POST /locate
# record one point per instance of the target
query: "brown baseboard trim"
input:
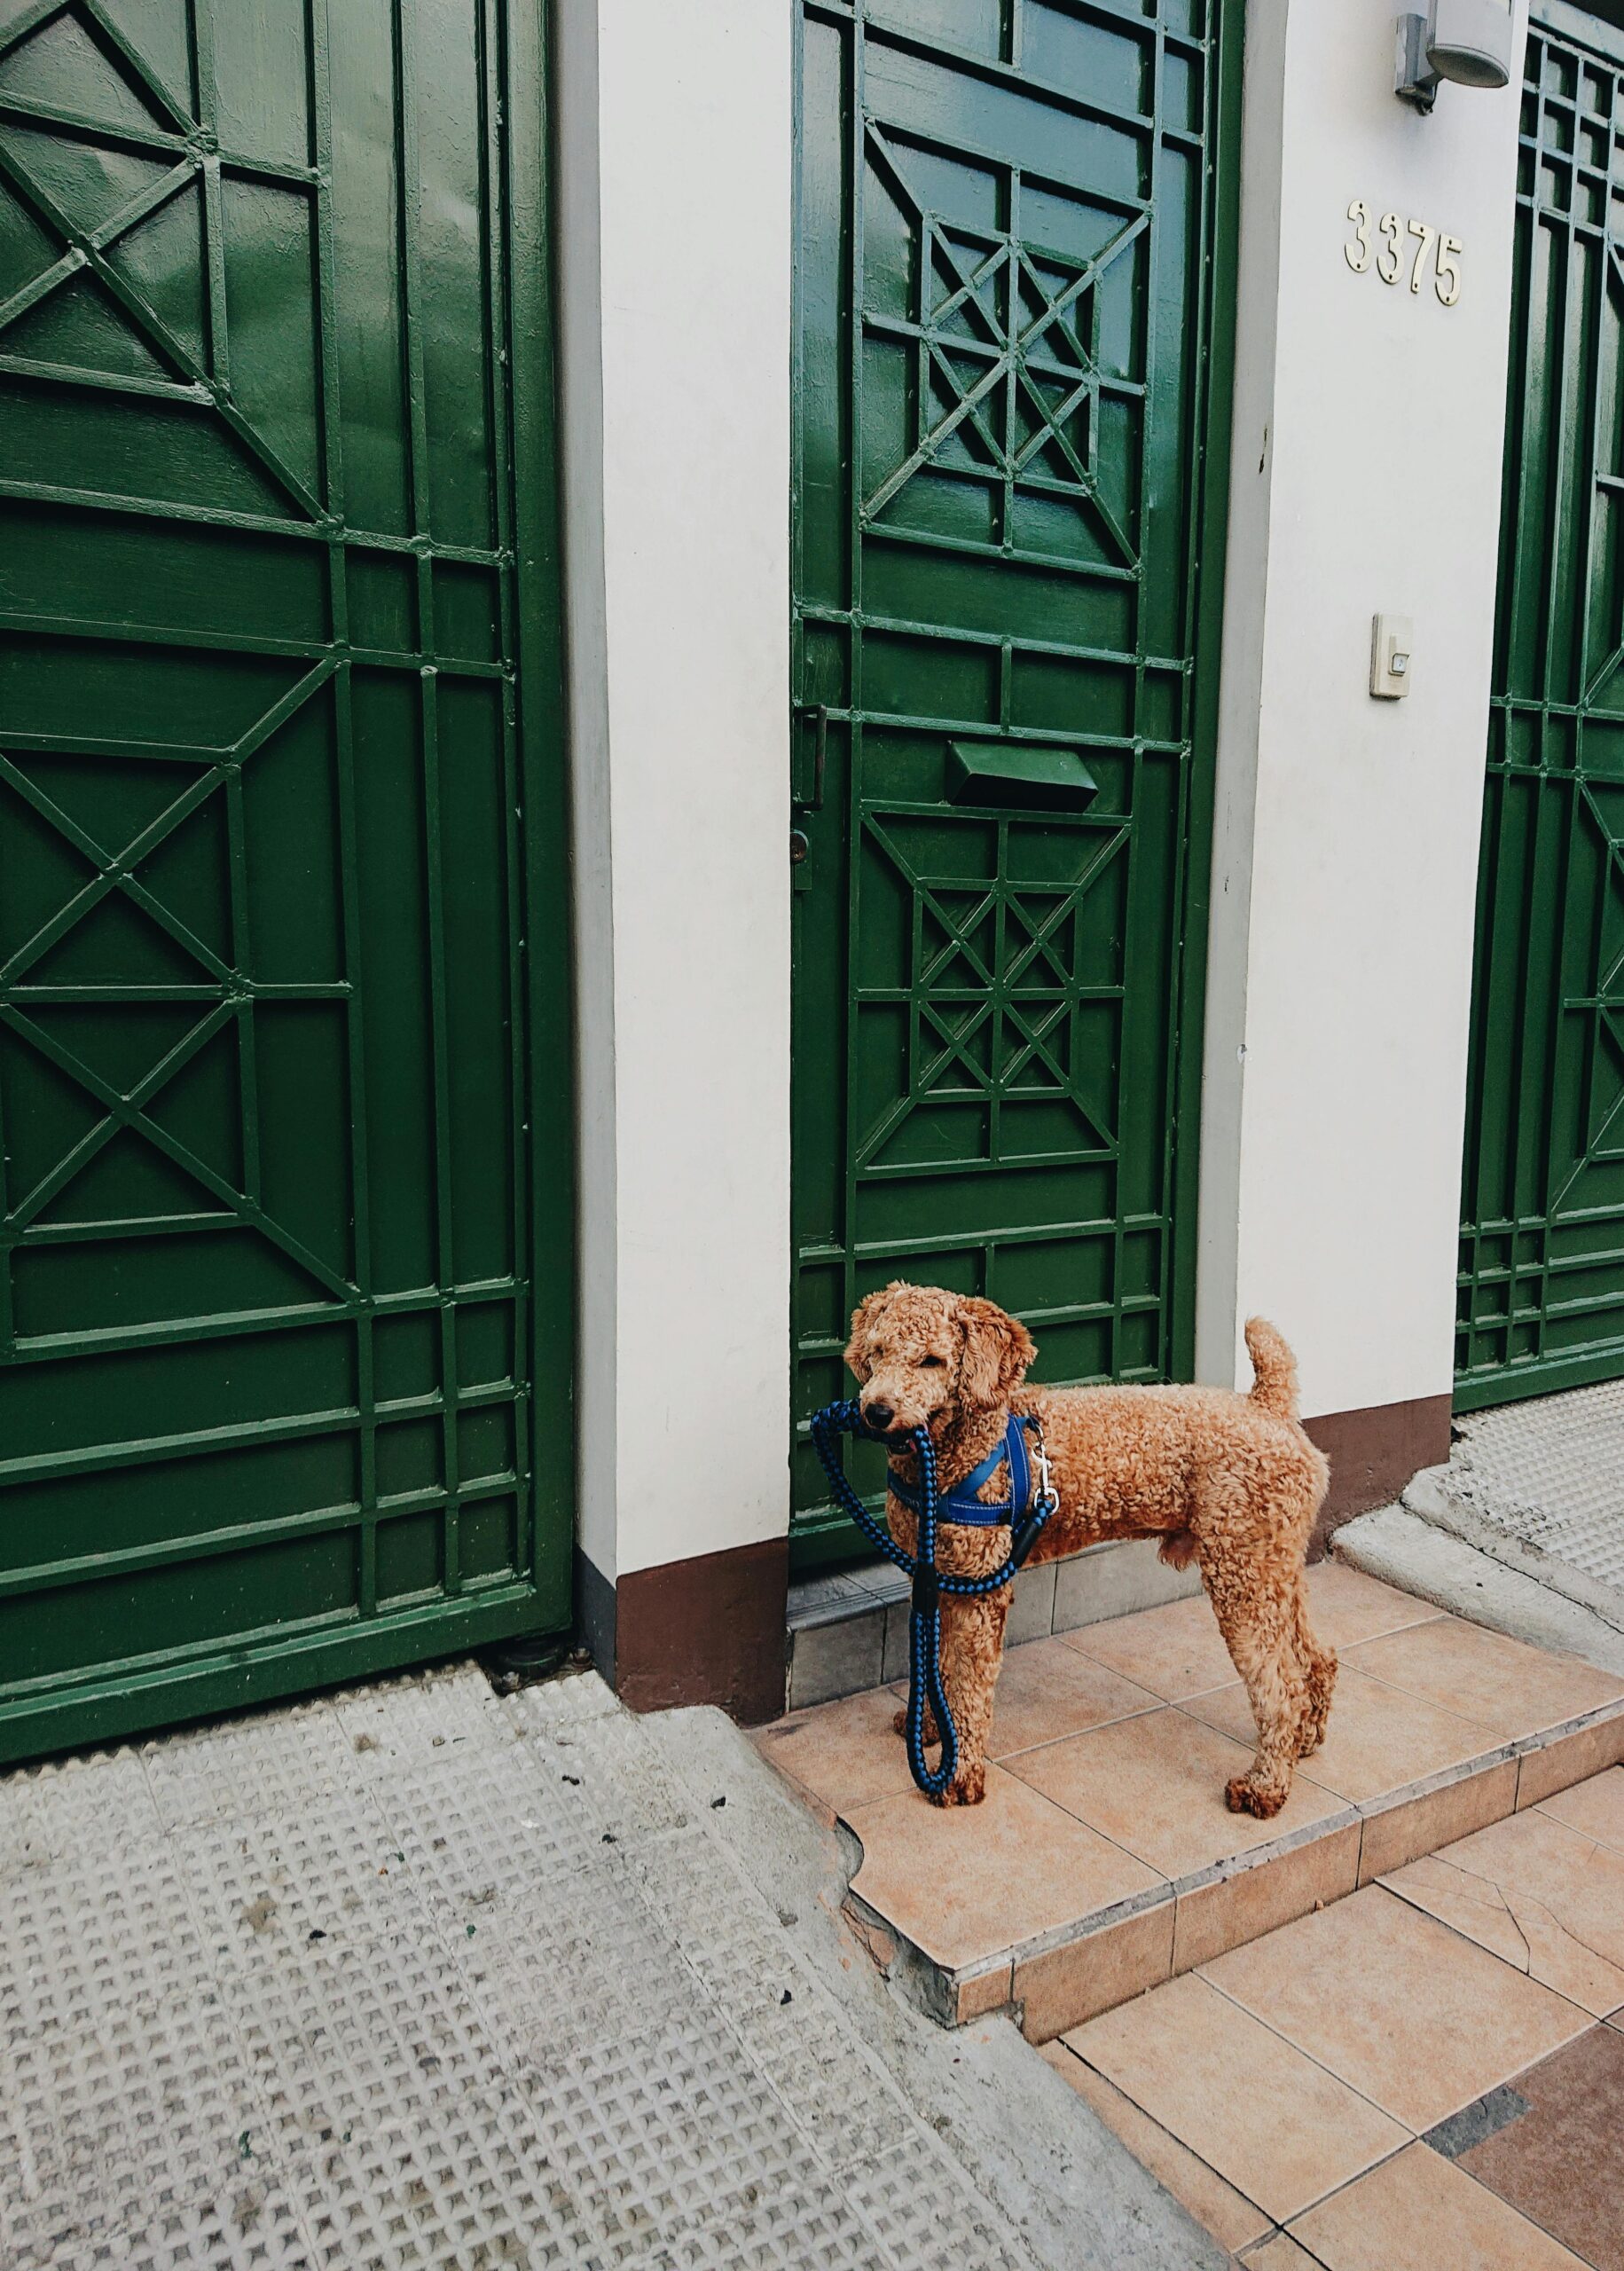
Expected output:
(709, 1630)
(1373, 1454)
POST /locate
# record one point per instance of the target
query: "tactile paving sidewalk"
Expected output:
(411, 1976)
(1547, 1476)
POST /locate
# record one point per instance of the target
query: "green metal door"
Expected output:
(1011, 368)
(280, 842)
(1542, 1276)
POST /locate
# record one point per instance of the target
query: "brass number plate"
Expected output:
(1386, 245)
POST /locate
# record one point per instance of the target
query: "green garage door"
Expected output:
(1541, 1279)
(1012, 403)
(279, 848)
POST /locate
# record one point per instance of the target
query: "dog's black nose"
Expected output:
(879, 1416)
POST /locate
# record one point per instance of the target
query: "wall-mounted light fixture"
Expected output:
(1467, 40)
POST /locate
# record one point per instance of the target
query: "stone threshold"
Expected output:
(849, 1631)
(1061, 1977)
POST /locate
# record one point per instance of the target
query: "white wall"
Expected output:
(677, 431)
(1366, 476)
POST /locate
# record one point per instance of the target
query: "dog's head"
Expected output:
(926, 1357)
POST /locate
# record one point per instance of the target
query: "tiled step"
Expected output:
(850, 1631)
(1103, 1859)
(1433, 2070)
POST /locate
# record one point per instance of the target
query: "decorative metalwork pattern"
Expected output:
(995, 988)
(1012, 290)
(1542, 1273)
(266, 1240)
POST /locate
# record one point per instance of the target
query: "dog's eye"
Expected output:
(932, 1360)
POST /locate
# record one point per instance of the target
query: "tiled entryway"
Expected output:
(1103, 1859)
(1428, 2076)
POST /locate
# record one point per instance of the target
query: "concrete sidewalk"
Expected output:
(1522, 1531)
(1540, 1486)
(410, 1976)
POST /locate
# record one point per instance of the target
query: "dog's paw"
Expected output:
(968, 1787)
(899, 1725)
(1241, 1796)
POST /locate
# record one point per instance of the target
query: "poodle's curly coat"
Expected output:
(1227, 1480)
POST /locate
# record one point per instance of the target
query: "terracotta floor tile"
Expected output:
(1595, 1807)
(1414, 2016)
(1227, 1911)
(1421, 2212)
(845, 1753)
(1174, 1651)
(1046, 1690)
(1499, 1682)
(1397, 1833)
(1178, 1651)
(1095, 1972)
(1156, 1785)
(1233, 2220)
(1570, 1754)
(1281, 2253)
(963, 1882)
(1273, 2125)
(1378, 1738)
(1347, 1607)
(1545, 1898)
(1562, 2161)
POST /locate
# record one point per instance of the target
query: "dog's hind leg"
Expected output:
(1318, 1663)
(1256, 1610)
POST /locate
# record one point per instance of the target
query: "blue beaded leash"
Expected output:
(929, 1582)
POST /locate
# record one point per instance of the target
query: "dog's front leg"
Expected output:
(972, 1650)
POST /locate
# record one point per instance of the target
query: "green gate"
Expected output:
(280, 848)
(1014, 235)
(1542, 1276)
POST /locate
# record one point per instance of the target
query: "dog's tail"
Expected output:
(1275, 1367)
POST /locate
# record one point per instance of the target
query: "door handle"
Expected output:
(818, 712)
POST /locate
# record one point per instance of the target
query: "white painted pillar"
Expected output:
(1366, 477)
(675, 254)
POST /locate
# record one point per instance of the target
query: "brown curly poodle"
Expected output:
(1228, 1481)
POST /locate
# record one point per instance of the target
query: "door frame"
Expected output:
(1214, 417)
(544, 757)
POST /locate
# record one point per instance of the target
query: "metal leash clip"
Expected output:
(1045, 1498)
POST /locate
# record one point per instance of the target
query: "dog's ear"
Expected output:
(855, 1356)
(997, 1350)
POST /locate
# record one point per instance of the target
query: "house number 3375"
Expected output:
(1399, 250)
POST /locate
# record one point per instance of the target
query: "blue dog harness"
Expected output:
(1025, 1510)
(964, 1503)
